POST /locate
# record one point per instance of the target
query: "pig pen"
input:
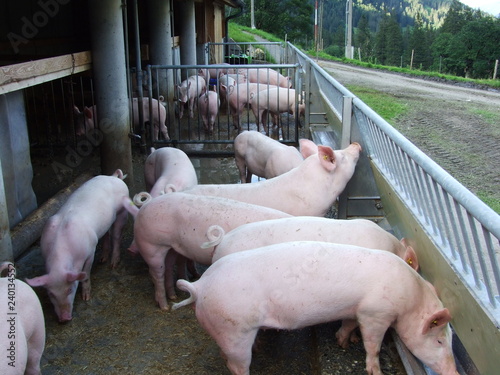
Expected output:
(122, 331)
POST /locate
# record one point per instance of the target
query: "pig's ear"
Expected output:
(410, 255)
(307, 147)
(326, 157)
(88, 112)
(75, 276)
(437, 320)
(38, 281)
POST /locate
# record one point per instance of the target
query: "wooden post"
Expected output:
(411, 61)
(495, 70)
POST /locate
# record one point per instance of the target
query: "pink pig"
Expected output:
(70, 237)
(208, 108)
(180, 221)
(274, 101)
(359, 232)
(263, 156)
(168, 169)
(267, 76)
(298, 284)
(308, 190)
(23, 334)
(240, 96)
(85, 120)
(189, 90)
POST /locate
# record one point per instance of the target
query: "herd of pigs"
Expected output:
(275, 261)
(264, 90)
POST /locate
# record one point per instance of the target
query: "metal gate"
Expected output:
(185, 121)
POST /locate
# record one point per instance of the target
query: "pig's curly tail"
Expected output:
(140, 199)
(215, 233)
(187, 287)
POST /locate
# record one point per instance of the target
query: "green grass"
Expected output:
(386, 105)
(490, 201)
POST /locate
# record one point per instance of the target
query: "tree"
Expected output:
(389, 41)
(363, 38)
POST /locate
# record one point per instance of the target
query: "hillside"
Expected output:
(432, 13)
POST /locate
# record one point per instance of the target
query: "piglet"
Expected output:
(208, 108)
(179, 221)
(86, 120)
(22, 325)
(293, 285)
(69, 239)
(359, 232)
(307, 190)
(267, 76)
(168, 170)
(275, 101)
(265, 157)
(189, 90)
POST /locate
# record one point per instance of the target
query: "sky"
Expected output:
(490, 6)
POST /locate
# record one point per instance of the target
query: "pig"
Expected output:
(274, 101)
(189, 90)
(297, 284)
(307, 190)
(168, 169)
(359, 232)
(23, 334)
(265, 157)
(267, 76)
(69, 239)
(85, 121)
(228, 79)
(215, 72)
(239, 96)
(180, 221)
(208, 108)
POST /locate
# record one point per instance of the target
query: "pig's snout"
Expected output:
(65, 317)
(356, 147)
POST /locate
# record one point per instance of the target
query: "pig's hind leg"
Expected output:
(116, 232)
(237, 351)
(155, 257)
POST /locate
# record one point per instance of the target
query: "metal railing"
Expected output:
(464, 230)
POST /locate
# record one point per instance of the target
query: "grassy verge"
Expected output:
(384, 104)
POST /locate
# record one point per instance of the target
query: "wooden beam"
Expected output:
(19, 76)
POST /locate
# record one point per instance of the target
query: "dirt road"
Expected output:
(458, 127)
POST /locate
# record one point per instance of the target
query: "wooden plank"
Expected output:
(19, 76)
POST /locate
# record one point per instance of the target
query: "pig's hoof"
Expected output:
(355, 338)
(165, 308)
(173, 297)
(86, 296)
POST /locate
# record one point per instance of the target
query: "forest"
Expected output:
(444, 36)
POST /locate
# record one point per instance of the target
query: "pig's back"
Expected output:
(95, 202)
(359, 232)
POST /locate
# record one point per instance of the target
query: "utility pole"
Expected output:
(348, 37)
(316, 26)
(252, 14)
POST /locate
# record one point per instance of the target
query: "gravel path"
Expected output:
(458, 127)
